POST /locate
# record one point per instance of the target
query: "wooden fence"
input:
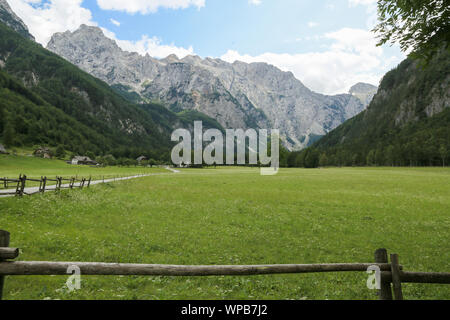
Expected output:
(390, 273)
(20, 184)
(47, 184)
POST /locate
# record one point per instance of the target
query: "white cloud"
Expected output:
(153, 46)
(147, 6)
(312, 24)
(354, 40)
(45, 18)
(114, 22)
(352, 57)
(255, 2)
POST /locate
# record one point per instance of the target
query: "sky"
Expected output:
(326, 44)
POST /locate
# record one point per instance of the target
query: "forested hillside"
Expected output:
(48, 101)
(407, 123)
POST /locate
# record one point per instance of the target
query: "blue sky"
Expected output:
(252, 29)
(327, 44)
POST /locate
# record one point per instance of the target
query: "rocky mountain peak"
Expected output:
(237, 95)
(87, 37)
(8, 17)
(364, 92)
(172, 58)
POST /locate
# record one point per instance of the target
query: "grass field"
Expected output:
(12, 166)
(236, 216)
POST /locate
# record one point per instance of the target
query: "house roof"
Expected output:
(81, 158)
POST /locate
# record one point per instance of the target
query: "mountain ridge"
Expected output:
(8, 17)
(45, 99)
(237, 95)
(406, 124)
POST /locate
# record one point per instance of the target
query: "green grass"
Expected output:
(236, 216)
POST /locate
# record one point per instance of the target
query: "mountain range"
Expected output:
(128, 104)
(45, 100)
(237, 95)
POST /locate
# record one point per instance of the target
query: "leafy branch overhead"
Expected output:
(419, 26)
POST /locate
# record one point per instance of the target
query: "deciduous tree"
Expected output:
(421, 26)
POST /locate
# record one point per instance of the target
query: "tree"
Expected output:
(60, 152)
(355, 160)
(2, 118)
(418, 25)
(300, 160)
(9, 134)
(371, 158)
(443, 153)
(390, 155)
(323, 160)
(90, 154)
(312, 159)
(107, 160)
(379, 158)
(152, 162)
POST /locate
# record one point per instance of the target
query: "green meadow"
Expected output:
(11, 166)
(232, 216)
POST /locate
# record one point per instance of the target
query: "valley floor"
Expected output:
(235, 216)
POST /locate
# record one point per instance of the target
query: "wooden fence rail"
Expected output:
(390, 273)
(20, 184)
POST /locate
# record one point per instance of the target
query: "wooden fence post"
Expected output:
(89, 182)
(385, 292)
(58, 183)
(396, 282)
(44, 184)
(22, 185)
(18, 185)
(4, 242)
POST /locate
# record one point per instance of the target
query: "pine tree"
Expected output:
(2, 118)
(443, 153)
(9, 134)
(60, 152)
(323, 161)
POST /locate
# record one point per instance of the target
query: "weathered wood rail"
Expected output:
(20, 184)
(390, 273)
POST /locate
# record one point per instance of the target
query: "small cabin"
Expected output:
(141, 158)
(43, 152)
(82, 160)
(3, 150)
